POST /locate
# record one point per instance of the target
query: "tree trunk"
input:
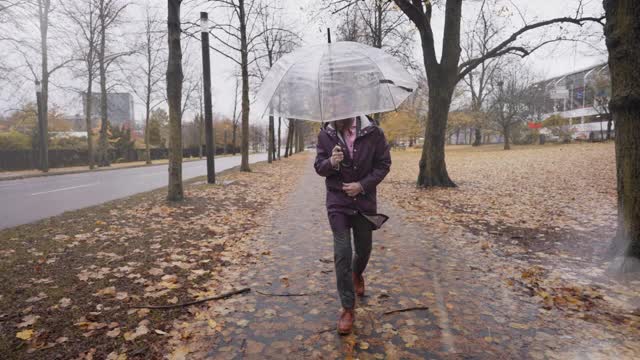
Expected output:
(270, 142)
(234, 139)
(147, 147)
(293, 147)
(609, 123)
(103, 143)
(273, 141)
(147, 134)
(87, 120)
(507, 133)
(244, 164)
(290, 136)
(478, 139)
(200, 133)
(287, 150)
(279, 140)
(44, 8)
(174, 98)
(300, 139)
(458, 136)
(432, 167)
(622, 32)
(286, 143)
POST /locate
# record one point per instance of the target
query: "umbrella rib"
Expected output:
(276, 90)
(319, 89)
(395, 107)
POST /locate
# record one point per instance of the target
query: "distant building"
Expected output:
(119, 108)
(76, 121)
(68, 134)
(581, 96)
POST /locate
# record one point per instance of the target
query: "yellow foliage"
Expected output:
(555, 120)
(401, 126)
(460, 120)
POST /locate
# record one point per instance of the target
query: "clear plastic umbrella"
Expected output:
(333, 81)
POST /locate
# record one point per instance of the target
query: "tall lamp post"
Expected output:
(208, 121)
(43, 151)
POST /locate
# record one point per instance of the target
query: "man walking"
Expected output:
(353, 155)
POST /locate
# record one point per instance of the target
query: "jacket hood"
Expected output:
(364, 123)
(366, 126)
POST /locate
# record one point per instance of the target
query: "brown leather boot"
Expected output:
(345, 323)
(358, 284)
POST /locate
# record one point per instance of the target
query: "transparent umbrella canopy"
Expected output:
(333, 81)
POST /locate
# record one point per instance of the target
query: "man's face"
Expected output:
(343, 124)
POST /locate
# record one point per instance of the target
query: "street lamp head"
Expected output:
(38, 86)
(204, 22)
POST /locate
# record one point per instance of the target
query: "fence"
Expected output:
(28, 159)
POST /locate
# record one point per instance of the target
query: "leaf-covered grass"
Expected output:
(69, 281)
(538, 221)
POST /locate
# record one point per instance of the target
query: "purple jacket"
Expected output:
(370, 164)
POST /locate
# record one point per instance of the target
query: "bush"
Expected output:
(560, 127)
(521, 134)
(14, 140)
(70, 143)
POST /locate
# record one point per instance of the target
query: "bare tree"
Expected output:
(109, 13)
(509, 105)
(236, 117)
(444, 74)
(279, 136)
(623, 42)
(378, 23)
(84, 16)
(7, 18)
(146, 77)
(191, 83)
(289, 142)
(275, 41)
(43, 11)
(350, 27)
(6, 7)
(239, 38)
(174, 95)
(200, 120)
(478, 41)
(44, 8)
(601, 100)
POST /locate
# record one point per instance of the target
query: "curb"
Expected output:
(20, 177)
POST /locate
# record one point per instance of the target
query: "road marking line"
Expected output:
(64, 189)
(154, 174)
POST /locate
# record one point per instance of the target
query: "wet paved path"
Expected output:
(470, 314)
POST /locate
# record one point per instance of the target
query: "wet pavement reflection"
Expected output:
(292, 310)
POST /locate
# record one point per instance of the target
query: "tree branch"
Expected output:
(214, 49)
(469, 65)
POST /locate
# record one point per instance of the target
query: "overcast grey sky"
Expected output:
(300, 15)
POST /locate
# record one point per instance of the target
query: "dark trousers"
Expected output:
(346, 263)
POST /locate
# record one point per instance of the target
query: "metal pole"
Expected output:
(208, 121)
(42, 155)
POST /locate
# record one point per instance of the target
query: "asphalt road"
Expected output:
(27, 200)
